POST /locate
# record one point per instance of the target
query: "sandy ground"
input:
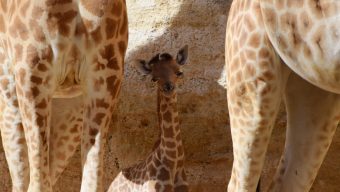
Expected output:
(206, 174)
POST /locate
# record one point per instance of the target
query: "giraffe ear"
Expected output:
(143, 67)
(182, 55)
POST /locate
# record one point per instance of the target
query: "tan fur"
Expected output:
(263, 38)
(61, 71)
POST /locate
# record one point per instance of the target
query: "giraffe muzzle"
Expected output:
(168, 87)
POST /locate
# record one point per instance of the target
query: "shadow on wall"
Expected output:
(159, 26)
(196, 23)
(165, 26)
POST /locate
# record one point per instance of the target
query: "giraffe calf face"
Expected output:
(165, 70)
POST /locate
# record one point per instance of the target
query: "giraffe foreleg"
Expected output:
(13, 137)
(180, 183)
(34, 87)
(313, 115)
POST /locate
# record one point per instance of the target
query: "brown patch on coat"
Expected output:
(59, 22)
(32, 56)
(124, 25)
(18, 29)
(111, 28)
(117, 8)
(37, 12)
(2, 24)
(163, 175)
(57, 2)
(37, 31)
(99, 118)
(97, 35)
(167, 116)
(113, 85)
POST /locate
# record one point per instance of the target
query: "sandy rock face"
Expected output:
(165, 26)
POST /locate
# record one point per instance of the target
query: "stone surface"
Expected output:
(158, 26)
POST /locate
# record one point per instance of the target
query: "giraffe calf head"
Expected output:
(164, 69)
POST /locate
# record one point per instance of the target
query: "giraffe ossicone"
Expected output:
(163, 169)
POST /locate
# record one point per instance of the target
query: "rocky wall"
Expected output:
(165, 26)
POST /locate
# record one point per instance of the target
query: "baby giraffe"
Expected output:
(163, 169)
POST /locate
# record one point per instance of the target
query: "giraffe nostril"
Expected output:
(168, 87)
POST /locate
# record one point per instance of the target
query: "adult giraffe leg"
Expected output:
(34, 86)
(101, 84)
(313, 115)
(256, 79)
(253, 102)
(67, 120)
(13, 137)
(102, 87)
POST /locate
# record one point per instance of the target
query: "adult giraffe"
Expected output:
(61, 62)
(282, 49)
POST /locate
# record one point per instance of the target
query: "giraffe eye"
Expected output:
(154, 79)
(179, 74)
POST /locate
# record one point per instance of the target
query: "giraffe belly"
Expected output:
(68, 89)
(307, 38)
(68, 67)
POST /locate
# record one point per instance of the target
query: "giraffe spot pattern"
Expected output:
(165, 164)
(28, 23)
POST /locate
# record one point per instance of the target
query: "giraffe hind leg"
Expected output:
(255, 82)
(313, 115)
(98, 109)
(99, 103)
(66, 124)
